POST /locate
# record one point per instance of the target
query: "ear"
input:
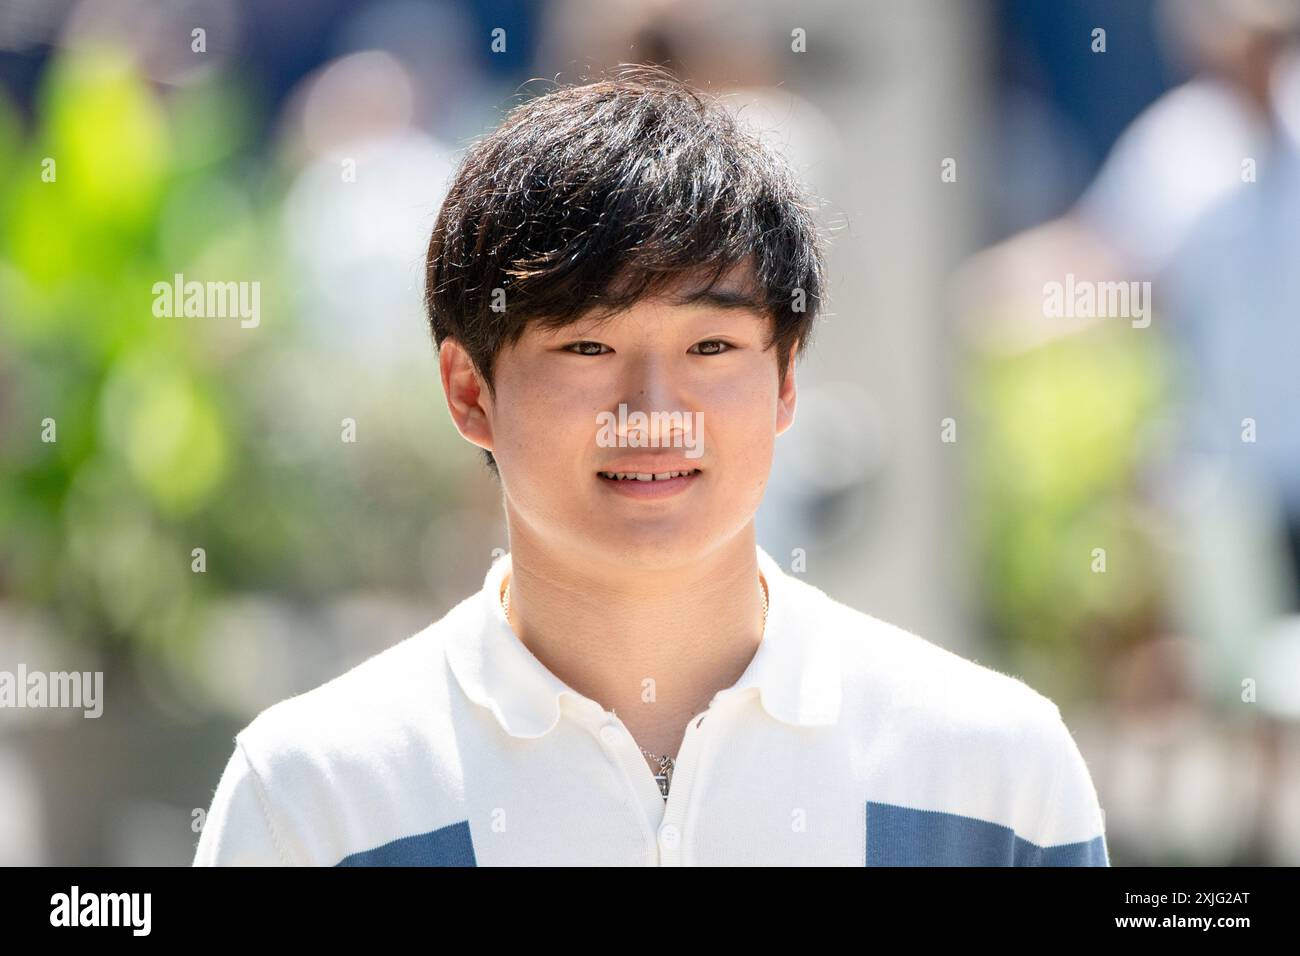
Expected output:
(468, 398)
(785, 399)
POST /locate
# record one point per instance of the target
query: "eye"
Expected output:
(726, 346)
(577, 345)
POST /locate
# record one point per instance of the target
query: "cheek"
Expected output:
(742, 419)
(548, 420)
(746, 437)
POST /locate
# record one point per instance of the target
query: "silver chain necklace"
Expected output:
(664, 764)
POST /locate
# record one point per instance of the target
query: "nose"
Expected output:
(653, 386)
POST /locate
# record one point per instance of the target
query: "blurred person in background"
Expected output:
(1201, 196)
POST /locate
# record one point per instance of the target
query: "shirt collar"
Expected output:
(795, 671)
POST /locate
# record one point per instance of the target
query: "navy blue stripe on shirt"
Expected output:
(447, 846)
(904, 836)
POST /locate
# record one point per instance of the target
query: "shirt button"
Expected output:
(670, 835)
(610, 734)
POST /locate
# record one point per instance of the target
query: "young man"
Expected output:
(619, 284)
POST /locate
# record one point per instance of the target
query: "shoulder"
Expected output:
(910, 675)
(958, 735)
(376, 708)
(903, 691)
(362, 759)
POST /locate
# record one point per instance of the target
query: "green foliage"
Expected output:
(172, 433)
(1059, 430)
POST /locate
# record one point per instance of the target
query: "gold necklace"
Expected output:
(665, 764)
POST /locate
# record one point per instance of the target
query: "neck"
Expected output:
(653, 646)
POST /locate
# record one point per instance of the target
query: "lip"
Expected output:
(650, 489)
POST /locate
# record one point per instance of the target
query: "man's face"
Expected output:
(556, 425)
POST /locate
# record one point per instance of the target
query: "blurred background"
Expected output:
(1109, 511)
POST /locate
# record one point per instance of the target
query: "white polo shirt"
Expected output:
(847, 741)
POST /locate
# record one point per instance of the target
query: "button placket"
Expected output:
(665, 817)
(622, 748)
(671, 832)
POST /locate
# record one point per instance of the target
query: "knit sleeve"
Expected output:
(1072, 829)
(239, 829)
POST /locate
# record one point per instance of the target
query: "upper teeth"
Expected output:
(644, 476)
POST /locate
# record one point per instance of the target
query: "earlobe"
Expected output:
(784, 413)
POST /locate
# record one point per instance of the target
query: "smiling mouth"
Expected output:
(646, 477)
